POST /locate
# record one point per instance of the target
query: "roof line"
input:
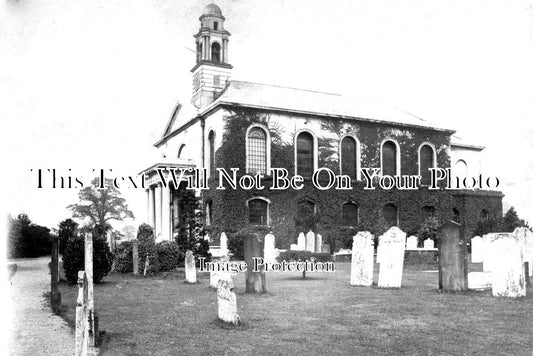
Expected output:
(285, 87)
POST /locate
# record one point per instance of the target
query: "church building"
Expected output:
(255, 127)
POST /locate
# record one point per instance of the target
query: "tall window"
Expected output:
(256, 156)
(215, 52)
(181, 151)
(258, 212)
(426, 162)
(350, 212)
(305, 215)
(211, 139)
(349, 156)
(460, 169)
(456, 215)
(427, 211)
(390, 215)
(304, 154)
(484, 215)
(388, 157)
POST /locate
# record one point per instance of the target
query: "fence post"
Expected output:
(82, 321)
(55, 295)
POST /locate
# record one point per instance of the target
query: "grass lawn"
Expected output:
(322, 315)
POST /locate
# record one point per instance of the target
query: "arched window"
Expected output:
(209, 212)
(427, 211)
(181, 151)
(211, 139)
(390, 215)
(256, 154)
(484, 215)
(304, 154)
(349, 157)
(426, 161)
(460, 169)
(215, 52)
(258, 211)
(389, 157)
(456, 215)
(350, 212)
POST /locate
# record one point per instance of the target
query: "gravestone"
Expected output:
(476, 247)
(412, 243)
(227, 302)
(310, 241)
(429, 244)
(270, 248)
(301, 242)
(224, 243)
(326, 249)
(255, 280)
(190, 267)
(453, 266)
(487, 253)
(135, 256)
(392, 245)
(362, 259)
(507, 275)
(318, 243)
(294, 247)
(526, 239)
(55, 295)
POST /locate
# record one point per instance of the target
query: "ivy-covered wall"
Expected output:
(229, 209)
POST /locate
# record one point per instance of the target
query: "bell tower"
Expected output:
(212, 72)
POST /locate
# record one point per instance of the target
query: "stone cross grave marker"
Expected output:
(190, 267)
(476, 246)
(301, 242)
(310, 241)
(362, 259)
(507, 274)
(392, 245)
(270, 248)
(453, 266)
(412, 243)
(227, 302)
(429, 244)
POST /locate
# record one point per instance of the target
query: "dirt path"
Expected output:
(35, 330)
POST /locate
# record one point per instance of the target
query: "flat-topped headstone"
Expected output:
(392, 245)
(301, 242)
(526, 239)
(429, 244)
(476, 247)
(412, 243)
(254, 247)
(294, 247)
(362, 259)
(507, 275)
(227, 302)
(318, 243)
(270, 248)
(310, 241)
(453, 267)
(190, 267)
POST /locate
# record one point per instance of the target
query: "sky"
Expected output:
(91, 84)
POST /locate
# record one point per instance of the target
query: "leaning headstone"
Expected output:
(135, 256)
(215, 276)
(270, 248)
(224, 243)
(294, 247)
(429, 244)
(254, 248)
(453, 266)
(310, 241)
(507, 275)
(318, 243)
(392, 245)
(227, 302)
(476, 246)
(362, 259)
(55, 295)
(190, 267)
(412, 243)
(301, 242)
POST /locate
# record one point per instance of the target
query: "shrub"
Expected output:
(74, 259)
(168, 255)
(124, 257)
(67, 231)
(428, 230)
(145, 236)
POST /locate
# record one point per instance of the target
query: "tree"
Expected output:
(101, 205)
(67, 231)
(511, 221)
(26, 239)
(129, 232)
(429, 230)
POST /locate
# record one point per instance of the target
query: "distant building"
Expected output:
(254, 127)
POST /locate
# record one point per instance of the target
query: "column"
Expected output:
(226, 50)
(165, 214)
(157, 224)
(151, 210)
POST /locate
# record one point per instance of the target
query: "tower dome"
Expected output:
(212, 9)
